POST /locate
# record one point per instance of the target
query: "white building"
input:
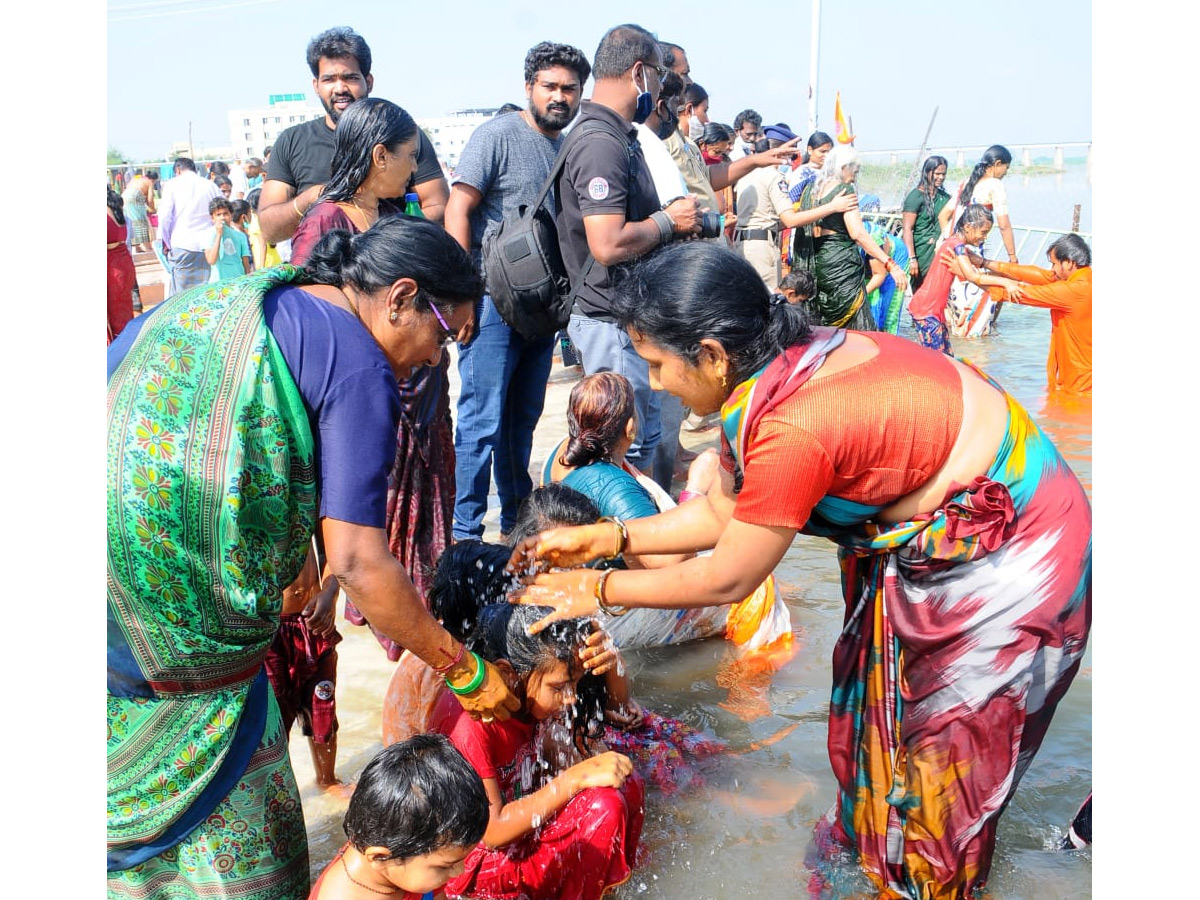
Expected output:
(253, 130)
(450, 133)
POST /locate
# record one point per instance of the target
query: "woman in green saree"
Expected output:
(243, 418)
(832, 247)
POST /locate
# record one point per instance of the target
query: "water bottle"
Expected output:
(412, 206)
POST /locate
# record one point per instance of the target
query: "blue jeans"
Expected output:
(607, 348)
(503, 389)
(666, 455)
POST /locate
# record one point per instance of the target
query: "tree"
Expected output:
(116, 157)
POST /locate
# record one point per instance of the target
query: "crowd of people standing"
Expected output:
(279, 433)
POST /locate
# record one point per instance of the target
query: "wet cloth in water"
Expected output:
(963, 630)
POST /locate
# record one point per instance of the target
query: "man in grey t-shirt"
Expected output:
(503, 376)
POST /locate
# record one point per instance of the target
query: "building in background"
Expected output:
(253, 130)
(449, 134)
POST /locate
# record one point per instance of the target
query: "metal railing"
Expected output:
(1022, 235)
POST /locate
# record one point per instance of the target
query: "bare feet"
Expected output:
(337, 788)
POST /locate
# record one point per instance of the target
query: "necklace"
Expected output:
(368, 217)
(346, 869)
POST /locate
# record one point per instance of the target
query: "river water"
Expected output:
(745, 829)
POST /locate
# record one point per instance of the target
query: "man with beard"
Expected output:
(299, 165)
(503, 375)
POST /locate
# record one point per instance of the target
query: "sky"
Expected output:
(988, 70)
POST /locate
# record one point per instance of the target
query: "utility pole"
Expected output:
(814, 58)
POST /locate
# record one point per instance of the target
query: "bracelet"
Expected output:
(685, 495)
(666, 226)
(296, 207)
(622, 535)
(442, 670)
(601, 603)
(473, 685)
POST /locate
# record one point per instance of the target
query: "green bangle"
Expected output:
(473, 685)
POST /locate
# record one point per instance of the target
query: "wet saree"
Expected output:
(963, 629)
(836, 263)
(211, 507)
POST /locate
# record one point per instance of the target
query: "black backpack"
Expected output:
(526, 277)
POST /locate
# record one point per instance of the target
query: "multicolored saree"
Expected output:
(963, 630)
(211, 507)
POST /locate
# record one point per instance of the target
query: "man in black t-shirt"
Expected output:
(302, 156)
(615, 215)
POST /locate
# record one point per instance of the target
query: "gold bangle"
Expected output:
(601, 603)
(296, 207)
(622, 535)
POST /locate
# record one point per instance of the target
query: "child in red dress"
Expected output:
(555, 830)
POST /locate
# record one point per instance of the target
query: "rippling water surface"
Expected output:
(745, 831)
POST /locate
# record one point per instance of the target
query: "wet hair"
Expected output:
(799, 281)
(747, 115)
(252, 198)
(714, 133)
(599, 407)
(621, 47)
(683, 293)
(470, 596)
(552, 505)
(546, 55)
(398, 247)
(509, 108)
(1071, 248)
(694, 94)
(417, 797)
(117, 204)
(815, 141)
(976, 215)
(218, 203)
(363, 126)
(184, 163)
(239, 208)
(992, 155)
(926, 186)
(217, 168)
(338, 43)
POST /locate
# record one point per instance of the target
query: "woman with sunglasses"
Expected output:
(244, 419)
(374, 157)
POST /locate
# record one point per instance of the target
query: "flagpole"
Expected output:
(813, 62)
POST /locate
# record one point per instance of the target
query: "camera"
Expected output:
(710, 224)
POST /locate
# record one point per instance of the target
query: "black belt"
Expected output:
(754, 234)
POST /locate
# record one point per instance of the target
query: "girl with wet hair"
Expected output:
(940, 492)
(922, 207)
(576, 834)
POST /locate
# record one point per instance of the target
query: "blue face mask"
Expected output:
(645, 103)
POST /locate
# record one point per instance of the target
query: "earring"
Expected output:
(724, 382)
(393, 317)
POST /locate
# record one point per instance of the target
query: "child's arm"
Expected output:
(509, 821)
(246, 266)
(960, 264)
(601, 657)
(213, 252)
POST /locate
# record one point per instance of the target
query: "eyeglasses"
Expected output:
(448, 336)
(661, 70)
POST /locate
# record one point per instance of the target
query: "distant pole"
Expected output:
(916, 175)
(814, 59)
(1075, 218)
(191, 149)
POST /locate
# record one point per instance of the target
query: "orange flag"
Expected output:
(843, 129)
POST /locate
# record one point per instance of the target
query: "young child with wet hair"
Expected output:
(555, 829)
(418, 811)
